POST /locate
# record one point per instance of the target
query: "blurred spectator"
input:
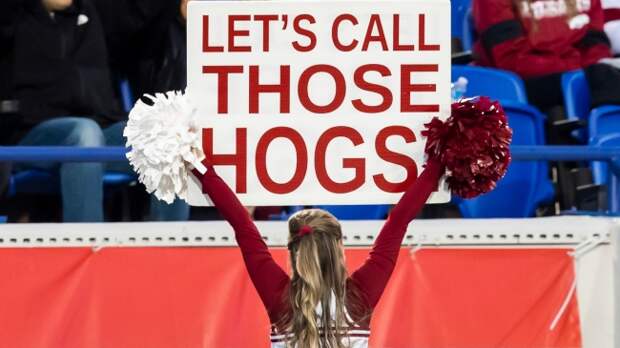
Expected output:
(539, 40)
(5, 174)
(55, 56)
(137, 34)
(147, 43)
(162, 65)
(56, 61)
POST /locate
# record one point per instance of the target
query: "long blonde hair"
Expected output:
(319, 277)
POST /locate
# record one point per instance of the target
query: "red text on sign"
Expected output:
(283, 88)
(358, 164)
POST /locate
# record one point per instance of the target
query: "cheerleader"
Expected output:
(320, 304)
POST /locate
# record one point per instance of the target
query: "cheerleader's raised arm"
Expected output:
(268, 277)
(372, 277)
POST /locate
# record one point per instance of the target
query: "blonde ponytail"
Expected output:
(319, 281)
(309, 291)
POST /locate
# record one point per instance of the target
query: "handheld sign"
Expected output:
(308, 102)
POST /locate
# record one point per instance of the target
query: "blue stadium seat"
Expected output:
(3, 219)
(459, 10)
(604, 128)
(286, 213)
(118, 179)
(577, 104)
(576, 99)
(42, 182)
(39, 181)
(497, 84)
(36, 181)
(526, 185)
(600, 170)
(576, 95)
(469, 31)
(604, 120)
(127, 97)
(357, 212)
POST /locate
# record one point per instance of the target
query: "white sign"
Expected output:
(306, 102)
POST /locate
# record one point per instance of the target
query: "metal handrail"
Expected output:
(117, 153)
(62, 154)
(611, 155)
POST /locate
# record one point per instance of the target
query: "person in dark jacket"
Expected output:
(60, 65)
(147, 41)
(162, 67)
(60, 88)
(61, 93)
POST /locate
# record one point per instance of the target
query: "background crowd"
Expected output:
(63, 65)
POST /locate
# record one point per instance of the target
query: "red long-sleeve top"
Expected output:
(271, 281)
(536, 37)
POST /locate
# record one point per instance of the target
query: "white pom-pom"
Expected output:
(164, 140)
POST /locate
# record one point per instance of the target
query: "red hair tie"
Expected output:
(304, 230)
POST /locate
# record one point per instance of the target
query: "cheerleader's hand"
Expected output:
(203, 178)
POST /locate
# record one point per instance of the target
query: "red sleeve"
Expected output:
(268, 278)
(372, 277)
(506, 44)
(595, 44)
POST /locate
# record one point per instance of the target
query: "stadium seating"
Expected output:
(344, 212)
(459, 12)
(576, 99)
(469, 32)
(36, 181)
(600, 170)
(357, 212)
(127, 96)
(498, 84)
(526, 185)
(604, 120)
(577, 104)
(286, 213)
(576, 95)
(604, 128)
(32, 181)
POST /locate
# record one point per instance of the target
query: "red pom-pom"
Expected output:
(473, 144)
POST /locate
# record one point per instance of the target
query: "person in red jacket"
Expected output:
(539, 40)
(320, 305)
